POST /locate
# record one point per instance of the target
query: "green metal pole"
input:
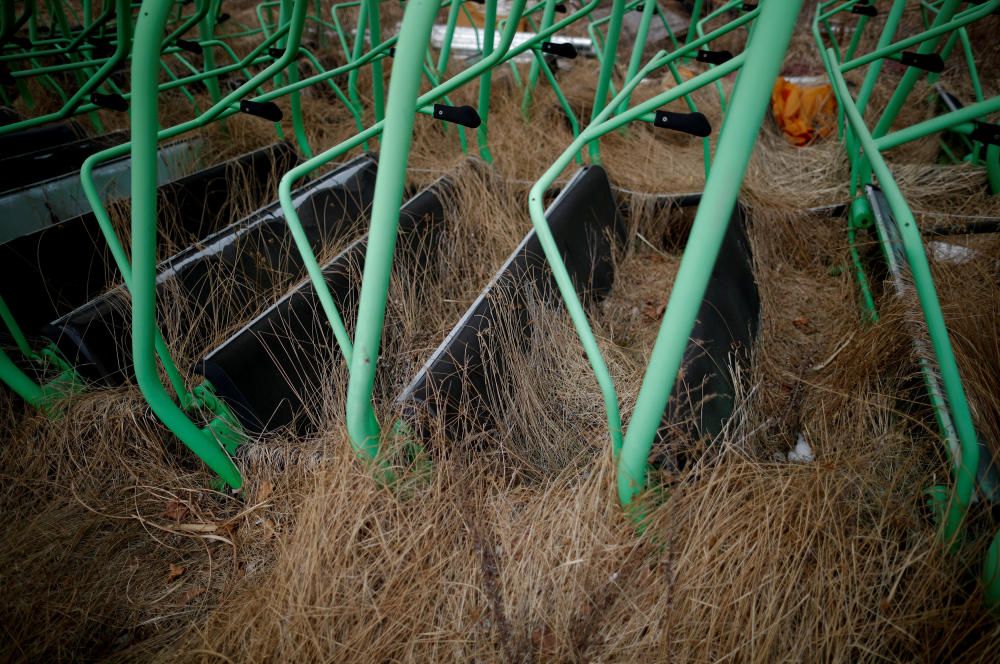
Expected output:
(599, 127)
(489, 34)
(938, 123)
(884, 40)
(638, 46)
(359, 47)
(375, 38)
(390, 182)
(607, 68)
(121, 52)
(145, 64)
(967, 460)
(18, 381)
(751, 96)
(207, 32)
(547, 16)
(912, 74)
(449, 33)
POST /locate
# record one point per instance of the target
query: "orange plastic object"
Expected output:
(803, 112)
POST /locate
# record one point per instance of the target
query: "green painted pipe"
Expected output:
(637, 47)
(375, 39)
(884, 41)
(700, 31)
(964, 18)
(121, 51)
(485, 82)
(19, 382)
(913, 74)
(449, 33)
(358, 50)
(607, 68)
(751, 96)
(938, 123)
(145, 63)
(968, 458)
(599, 127)
(547, 16)
(390, 183)
(338, 26)
(502, 53)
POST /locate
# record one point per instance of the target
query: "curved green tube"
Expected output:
(751, 96)
(145, 64)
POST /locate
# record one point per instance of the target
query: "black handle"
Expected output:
(462, 115)
(561, 8)
(262, 109)
(695, 124)
(189, 45)
(565, 50)
(931, 62)
(102, 48)
(112, 102)
(714, 57)
(986, 133)
(749, 6)
(864, 10)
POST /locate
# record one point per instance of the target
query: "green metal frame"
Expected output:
(361, 353)
(865, 148)
(751, 96)
(215, 442)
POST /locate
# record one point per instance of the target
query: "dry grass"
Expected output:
(512, 547)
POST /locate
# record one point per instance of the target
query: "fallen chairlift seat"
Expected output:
(453, 387)
(243, 262)
(50, 162)
(987, 473)
(454, 384)
(267, 372)
(39, 138)
(45, 203)
(58, 268)
(703, 398)
(8, 116)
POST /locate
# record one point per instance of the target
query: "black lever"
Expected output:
(188, 45)
(565, 50)
(931, 62)
(262, 109)
(986, 132)
(111, 102)
(695, 124)
(714, 57)
(462, 115)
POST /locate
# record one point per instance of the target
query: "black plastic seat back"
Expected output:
(274, 367)
(454, 385)
(224, 276)
(50, 162)
(54, 270)
(39, 138)
(703, 398)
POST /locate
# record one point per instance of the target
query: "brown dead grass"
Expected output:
(114, 548)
